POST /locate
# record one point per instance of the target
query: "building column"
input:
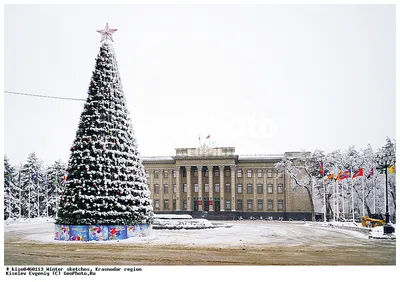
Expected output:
(221, 187)
(189, 187)
(178, 188)
(170, 190)
(265, 201)
(200, 181)
(233, 187)
(161, 176)
(211, 186)
(275, 193)
(255, 184)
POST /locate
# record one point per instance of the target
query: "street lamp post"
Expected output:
(384, 161)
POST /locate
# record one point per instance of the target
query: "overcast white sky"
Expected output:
(262, 78)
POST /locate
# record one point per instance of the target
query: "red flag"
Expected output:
(371, 172)
(358, 173)
(208, 136)
(321, 169)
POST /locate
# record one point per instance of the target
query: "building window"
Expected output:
(239, 173)
(269, 173)
(249, 173)
(259, 173)
(147, 174)
(270, 189)
(156, 189)
(184, 173)
(174, 173)
(228, 205)
(174, 188)
(196, 187)
(165, 173)
(260, 205)
(165, 188)
(227, 188)
(239, 204)
(174, 204)
(259, 188)
(156, 174)
(216, 188)
(227, 172)
(184, 205)
(280, 205)
(249, 189)
(166, 204)
(206, 188)
(249, 205)
(184, 187)
(195, 172)
(270, 205)
(280, 188)
(157, 204)
(280, 174)
(216, 172)
(239, 188)
(206, 173)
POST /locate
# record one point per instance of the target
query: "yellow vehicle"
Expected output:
(371, 222)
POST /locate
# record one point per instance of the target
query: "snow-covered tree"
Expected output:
(390, 148)
(10, 189)
(30, 185)
(303, 169)
(106, 181)
(54, 181)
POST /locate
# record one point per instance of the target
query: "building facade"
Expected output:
(217, 182)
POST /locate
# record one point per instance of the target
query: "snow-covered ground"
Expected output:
(240, 233)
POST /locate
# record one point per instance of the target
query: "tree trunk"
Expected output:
(309, 192)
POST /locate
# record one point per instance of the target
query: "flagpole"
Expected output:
(343, 210)
(373, 183)
(363, 201)
(352, 198)
(337, 200)
(29, 197)
(323, 180)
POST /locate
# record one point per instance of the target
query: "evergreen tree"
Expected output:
(10, 201)
(106, 181)
(30, 177)
(54, 182)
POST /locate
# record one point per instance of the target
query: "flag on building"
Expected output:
(371, 172)
(391, 169)
(208, 136)
(321, 169)
(358, 173)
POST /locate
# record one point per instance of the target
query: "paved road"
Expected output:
(268, 243)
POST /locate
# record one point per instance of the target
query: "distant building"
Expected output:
(215, 182)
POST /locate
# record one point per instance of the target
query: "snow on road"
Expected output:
(240, 233)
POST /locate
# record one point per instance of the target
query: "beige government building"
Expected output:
(216, 183)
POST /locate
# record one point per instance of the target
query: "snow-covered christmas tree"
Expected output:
(106, 182)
